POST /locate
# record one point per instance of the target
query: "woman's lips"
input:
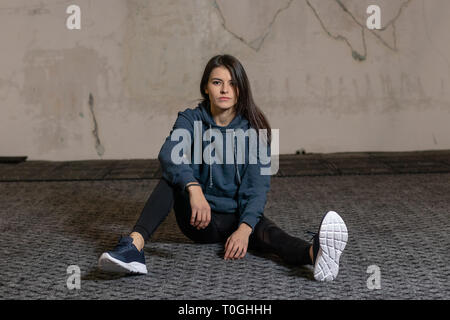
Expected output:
(224, 99)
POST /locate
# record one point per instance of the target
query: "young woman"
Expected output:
(223, 202)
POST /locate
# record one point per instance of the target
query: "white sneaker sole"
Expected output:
(107, 263)
(333, 236)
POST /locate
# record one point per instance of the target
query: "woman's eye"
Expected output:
(217, 82)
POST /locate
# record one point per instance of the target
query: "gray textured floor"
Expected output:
(397, 222)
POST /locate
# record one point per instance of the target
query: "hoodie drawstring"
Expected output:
(210, 161)
(235, 159)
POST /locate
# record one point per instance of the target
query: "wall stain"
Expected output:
(98, 145)
(434, 139)
(361, 56)
(257, 43)
(54, 83)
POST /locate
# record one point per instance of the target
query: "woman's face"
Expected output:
(220, 86)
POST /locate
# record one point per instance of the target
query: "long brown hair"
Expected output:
(245, 105)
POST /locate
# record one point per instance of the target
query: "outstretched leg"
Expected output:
(269, 238)
(324, 253)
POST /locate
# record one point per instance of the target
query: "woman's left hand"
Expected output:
(237, 243)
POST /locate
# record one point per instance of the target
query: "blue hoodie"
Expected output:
(228, 188)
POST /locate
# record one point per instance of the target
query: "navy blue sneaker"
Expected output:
(328, 245)
(124, 258)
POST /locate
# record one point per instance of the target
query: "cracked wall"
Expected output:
(113, 89)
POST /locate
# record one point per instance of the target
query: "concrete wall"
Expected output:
(112, 89)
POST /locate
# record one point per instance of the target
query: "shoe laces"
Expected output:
(123, 244)
(312, 234)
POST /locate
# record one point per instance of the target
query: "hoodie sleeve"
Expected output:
(252, 194)
(177, 174)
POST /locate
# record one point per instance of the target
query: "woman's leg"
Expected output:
(163, 198)
(269, 238)
(124, 257)
(217, 229)
(128, 255)
(156, 209)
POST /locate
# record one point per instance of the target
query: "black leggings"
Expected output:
(266, 238)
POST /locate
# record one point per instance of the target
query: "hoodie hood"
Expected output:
(206, 116)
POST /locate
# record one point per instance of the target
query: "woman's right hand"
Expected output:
(201, 211)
